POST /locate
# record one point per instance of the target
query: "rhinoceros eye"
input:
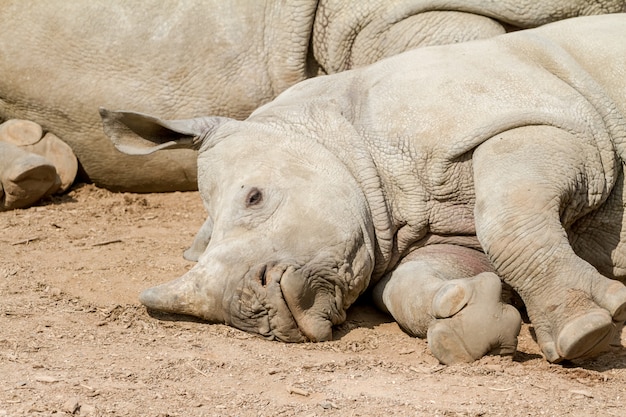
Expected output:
(255, 196)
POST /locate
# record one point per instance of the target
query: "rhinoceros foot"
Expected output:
(586, 336)
(583, 323)
(29, 136)
(24, 177)
(471, 321)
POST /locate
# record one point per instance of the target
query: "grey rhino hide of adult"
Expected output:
(60, 60)
(395, 175)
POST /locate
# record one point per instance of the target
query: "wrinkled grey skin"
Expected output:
(60, 60)
(514, 146)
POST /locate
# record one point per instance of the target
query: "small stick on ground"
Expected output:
(197, 370)
(25, 241)
(298, 391)
(107, 242)
(501, 389)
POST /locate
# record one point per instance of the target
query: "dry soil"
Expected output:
(75, 340)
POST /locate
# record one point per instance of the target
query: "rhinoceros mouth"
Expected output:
(258, 305)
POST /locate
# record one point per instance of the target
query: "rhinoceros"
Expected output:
(60, 60)
(425, 177)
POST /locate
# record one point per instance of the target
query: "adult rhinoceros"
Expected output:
(391, 176)
(60, 60)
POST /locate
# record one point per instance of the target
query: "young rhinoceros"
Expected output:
(391, 176)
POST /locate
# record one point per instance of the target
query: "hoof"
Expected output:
(472, 334)
(447, 346)
(25, 181)
(620, 313)
(20, 132)
(614, 300)
(584, 324)
(62, 157)
(451, 299)
(477, 322)
(29, 136)
(585, 336)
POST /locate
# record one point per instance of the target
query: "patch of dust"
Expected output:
(74, 340)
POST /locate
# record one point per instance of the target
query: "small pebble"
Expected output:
(298, 391)
(87, 410)
(582, 392)
(71, 406)
(328, 405)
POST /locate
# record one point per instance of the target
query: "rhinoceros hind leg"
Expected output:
(29, 136)
(449, 295)
(24, 177)
(472, 321)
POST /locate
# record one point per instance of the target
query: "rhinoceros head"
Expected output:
(287, 245)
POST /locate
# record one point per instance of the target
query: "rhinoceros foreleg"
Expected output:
(200, 242)
(531, 185)
(448, 294)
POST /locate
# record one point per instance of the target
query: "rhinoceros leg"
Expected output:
(617, 339)
(531, 185)
(30, 137)
(200, 242)
(448, 294)
(24, 177)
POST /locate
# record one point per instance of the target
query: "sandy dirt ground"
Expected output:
(74, 340)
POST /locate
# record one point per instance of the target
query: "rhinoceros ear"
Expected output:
(140, 134)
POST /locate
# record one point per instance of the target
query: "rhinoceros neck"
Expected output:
(357, 157)
(414, 197)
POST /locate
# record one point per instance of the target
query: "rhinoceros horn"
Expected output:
(140, 134)
(190, 294)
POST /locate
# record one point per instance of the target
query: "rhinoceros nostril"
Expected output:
(261, 275)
